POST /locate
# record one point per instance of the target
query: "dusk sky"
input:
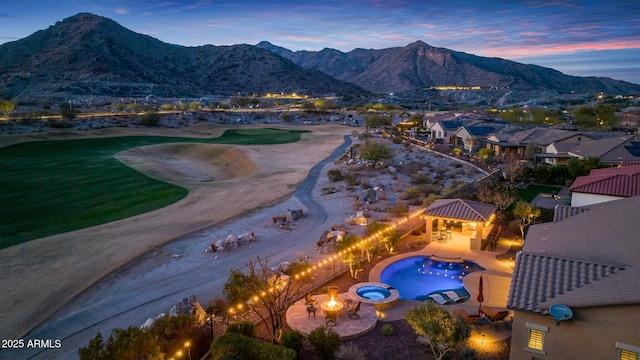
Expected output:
(585, 38)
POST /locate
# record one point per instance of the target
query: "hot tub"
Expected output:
(380, 295)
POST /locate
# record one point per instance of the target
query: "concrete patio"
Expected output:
(299, 319)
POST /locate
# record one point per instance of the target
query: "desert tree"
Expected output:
(376, 121)
(67, 111)
(353, 262)
(486, 154)
(272, 293)
(527, 214)
(376, 151)
(7, 107)
(445, 333)
(132, 343)
(390, 241)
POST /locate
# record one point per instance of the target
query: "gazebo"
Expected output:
(474, 219)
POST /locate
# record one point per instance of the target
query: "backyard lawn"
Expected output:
(51, 187)
(530, 192)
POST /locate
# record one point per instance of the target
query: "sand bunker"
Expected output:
(182, 163)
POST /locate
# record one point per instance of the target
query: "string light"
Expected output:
(343, 253)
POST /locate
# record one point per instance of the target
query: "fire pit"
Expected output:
(331, 308)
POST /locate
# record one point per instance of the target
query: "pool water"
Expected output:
(373, 292)
(417, 277)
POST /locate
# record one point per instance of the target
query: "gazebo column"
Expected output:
(476, 237)
(429, 229)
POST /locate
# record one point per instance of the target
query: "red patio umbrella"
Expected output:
(480, 297)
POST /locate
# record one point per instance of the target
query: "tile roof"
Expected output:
(607, 150)
(562, 212)
(461, 209)
(591, 258)
(542, 136)
(621, 181)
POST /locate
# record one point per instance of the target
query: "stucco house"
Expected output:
(587, 262)
(606, 185)
(527, 144)
(611, 150)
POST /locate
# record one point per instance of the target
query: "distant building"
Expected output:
(611, 150)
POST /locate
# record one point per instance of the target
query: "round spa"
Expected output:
(380, 295)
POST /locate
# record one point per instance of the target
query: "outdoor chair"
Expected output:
(332, 291)
(468, 318)
(440, 299)
(311, 310)
(454, 296)
(352, 310)
(331, 319)
(496, 317)
(309, 300)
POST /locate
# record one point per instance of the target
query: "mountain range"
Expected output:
(87, 54)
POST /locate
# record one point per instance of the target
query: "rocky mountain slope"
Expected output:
(419, 65)
(89, 54)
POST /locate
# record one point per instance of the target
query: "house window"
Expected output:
(627, 352)
(536, 338)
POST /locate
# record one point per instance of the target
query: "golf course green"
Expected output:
(51, 187)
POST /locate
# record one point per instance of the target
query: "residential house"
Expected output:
(442, 131)
(556, 153)
(527, 143)
(606, 185)
(611, 150)
(587, 263)
(469, 136)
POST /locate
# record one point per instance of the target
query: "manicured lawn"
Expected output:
(51, 187)
(530, 192)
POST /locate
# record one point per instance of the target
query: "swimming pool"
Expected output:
(417, 277)
(381, 296)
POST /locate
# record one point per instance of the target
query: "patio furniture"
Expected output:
(468, 318)
(309, 300)
(495, 317)
(311, 310)
(352, 311)
(332, 291)
(454, 296)
(435, 235)
(440, 299)
(331, 318)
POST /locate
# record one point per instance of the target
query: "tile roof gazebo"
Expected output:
(475, 215)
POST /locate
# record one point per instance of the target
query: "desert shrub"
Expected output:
(293, 339)
(420, 178)
(428, 189)
(351, 179)
(335, 175)
(356, 205)
(150, 118)
(465, 353)
(350, 351)
(400, 208)
(325, 341)
(415, 202)
(397, 140)
(430, 199)
(237, 346)
(374, 227)
(296, 267)
(412, 193)
(387, 329)
(365, 185)
(246, 328)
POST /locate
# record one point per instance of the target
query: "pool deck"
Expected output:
(496, 280)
